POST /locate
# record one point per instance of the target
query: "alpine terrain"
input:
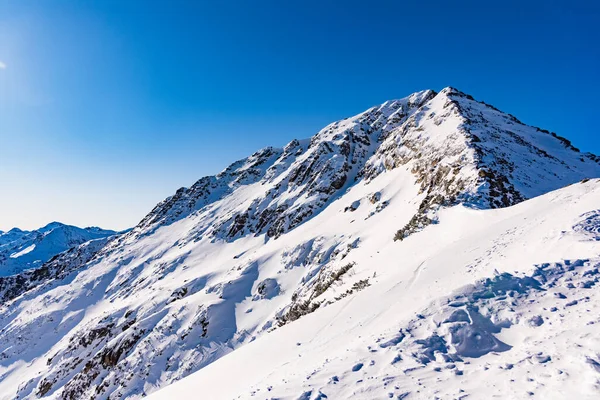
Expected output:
(429, 247)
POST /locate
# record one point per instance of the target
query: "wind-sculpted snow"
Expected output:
(590, 225)
(433, 354)
(280, 239)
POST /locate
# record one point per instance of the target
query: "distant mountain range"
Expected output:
(21, 250)
(428, 247)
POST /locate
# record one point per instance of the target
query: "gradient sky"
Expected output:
(108, 107)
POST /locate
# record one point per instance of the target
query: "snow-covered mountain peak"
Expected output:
(299, 230)
(462, 150)
(459, 149)
(51, 225)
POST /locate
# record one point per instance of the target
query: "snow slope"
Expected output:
(22, 250)
(370, 220)
(485, 304)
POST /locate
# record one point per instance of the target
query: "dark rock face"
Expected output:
(298, 308)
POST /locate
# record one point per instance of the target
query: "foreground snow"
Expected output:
(531, 333)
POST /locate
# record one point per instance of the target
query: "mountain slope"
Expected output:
(279, 235)
(22, 250)
(509, 298)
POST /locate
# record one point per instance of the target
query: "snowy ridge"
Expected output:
(287, 238)
(298, 180)
(209, 190)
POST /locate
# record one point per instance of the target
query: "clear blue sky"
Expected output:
(107, 107)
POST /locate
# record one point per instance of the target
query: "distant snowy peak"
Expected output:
(21, 250)
(459, 149)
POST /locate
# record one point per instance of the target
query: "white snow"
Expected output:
(412, 286)
(23, 252)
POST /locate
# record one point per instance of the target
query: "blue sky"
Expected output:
(108, 107)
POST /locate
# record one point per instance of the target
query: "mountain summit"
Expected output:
(323, 258)
(458, 149)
